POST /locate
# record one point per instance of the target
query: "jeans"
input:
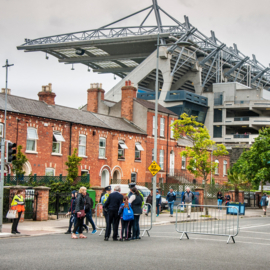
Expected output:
(78, 225)
(219, 203)
(89, 218)
(72, 220)
(171, 207)
(124, 228)
(16, 222)
(158, 207)
(136, 227)
(148, 208)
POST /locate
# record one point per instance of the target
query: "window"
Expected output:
(172, 121)
(138, 149)
(133, 177)
(57, 140)
(216, 169)
(49, 171)
(224, 167)
(161, 159)
(82, 145)
(102, 147)
(84, 172)
(161, 180)
(32, 137)
(1, 131)
(162, 124)
(183, 163)
(154, 125)
(121, 149)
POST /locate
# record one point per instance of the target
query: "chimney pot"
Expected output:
(47, 95)
(95, 95)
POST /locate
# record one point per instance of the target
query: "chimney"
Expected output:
(95, 95)
(129, 92)
(3, 91)
(47, 95)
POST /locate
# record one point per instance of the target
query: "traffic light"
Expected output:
(11, 151)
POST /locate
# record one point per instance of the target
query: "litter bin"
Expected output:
(92, 194)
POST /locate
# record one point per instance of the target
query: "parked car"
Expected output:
(125, 190)
(164, 204)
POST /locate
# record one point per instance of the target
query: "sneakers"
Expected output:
(67, 232)
(77, 233)
(94, 231)
(106, 239)
(121, 239)
(18, 232)
(157, 215)
(127, 239)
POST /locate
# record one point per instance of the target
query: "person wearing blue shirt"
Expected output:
(264, 203)
(158, 202)
(171, 198)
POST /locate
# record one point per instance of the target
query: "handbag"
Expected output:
(12, 214)
(81, 215)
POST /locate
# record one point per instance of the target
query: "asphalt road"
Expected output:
(163, 250)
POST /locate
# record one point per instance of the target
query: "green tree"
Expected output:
(17, 164)
(73, 164)
(237, 181)
(255, 162)
(199, 153)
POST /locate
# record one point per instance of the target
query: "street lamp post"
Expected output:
(182, 44)
(3, 151)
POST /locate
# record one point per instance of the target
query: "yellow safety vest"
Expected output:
(16, 197)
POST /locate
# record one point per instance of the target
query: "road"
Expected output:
(163, 250)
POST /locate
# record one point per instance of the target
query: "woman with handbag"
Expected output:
(80, 212)
(18, 205)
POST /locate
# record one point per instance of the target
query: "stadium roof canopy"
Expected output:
(119, 50)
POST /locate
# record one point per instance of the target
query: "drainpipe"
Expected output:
(70, 135)
(167, 146)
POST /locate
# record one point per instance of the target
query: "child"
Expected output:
(125, 223)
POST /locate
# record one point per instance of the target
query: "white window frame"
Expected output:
(1, 130)
(121, 149)
(57, 139)
(102, 147)
(225, 163)
(217, 168)
(82, 146)
(52, 170)
(138, 149)
(184, 160)
(30, 137)
(161, 159)
(172, 130)
(162, 127)
(154, 125)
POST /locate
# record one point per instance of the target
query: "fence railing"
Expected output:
(207, 220)
(41, 180)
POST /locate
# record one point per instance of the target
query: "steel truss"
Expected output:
(239, 64)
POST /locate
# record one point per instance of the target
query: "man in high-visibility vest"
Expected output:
(103, 200)
(132, 185)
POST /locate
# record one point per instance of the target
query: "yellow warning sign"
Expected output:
(154, 168)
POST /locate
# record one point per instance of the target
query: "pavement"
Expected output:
(37, 228)
(162, 250)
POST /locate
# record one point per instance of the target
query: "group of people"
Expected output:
(220, 199)
(80, 207)
(126, 209)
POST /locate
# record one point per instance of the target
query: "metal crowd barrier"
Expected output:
(145, 220)
(207, 220)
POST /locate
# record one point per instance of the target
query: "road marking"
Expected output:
(255, 226)
(255, 232)
(254, 243)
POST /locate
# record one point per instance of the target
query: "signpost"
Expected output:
(154, 168)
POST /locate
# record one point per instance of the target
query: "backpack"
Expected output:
(128, 214)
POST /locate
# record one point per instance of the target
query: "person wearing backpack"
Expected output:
(126, 214)
(136, 204)
(264, 203)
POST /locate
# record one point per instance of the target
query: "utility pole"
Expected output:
(155, 142)
(3, 152)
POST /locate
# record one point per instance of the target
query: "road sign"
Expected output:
(154, 168)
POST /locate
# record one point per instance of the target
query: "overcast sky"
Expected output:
(244, 22)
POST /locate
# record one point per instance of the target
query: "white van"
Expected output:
(125, 190)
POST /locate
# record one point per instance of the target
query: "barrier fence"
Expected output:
(207, 220)
(145, 220)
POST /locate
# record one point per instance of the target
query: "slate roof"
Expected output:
(151, 106)
(62, 113)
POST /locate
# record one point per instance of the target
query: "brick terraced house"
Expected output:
(115, 139)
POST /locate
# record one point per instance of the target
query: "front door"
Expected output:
(105, 181)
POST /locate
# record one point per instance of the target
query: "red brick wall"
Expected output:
(43, 157)
(92, 99)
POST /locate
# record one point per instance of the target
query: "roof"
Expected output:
(151, 106)
(41, 109)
